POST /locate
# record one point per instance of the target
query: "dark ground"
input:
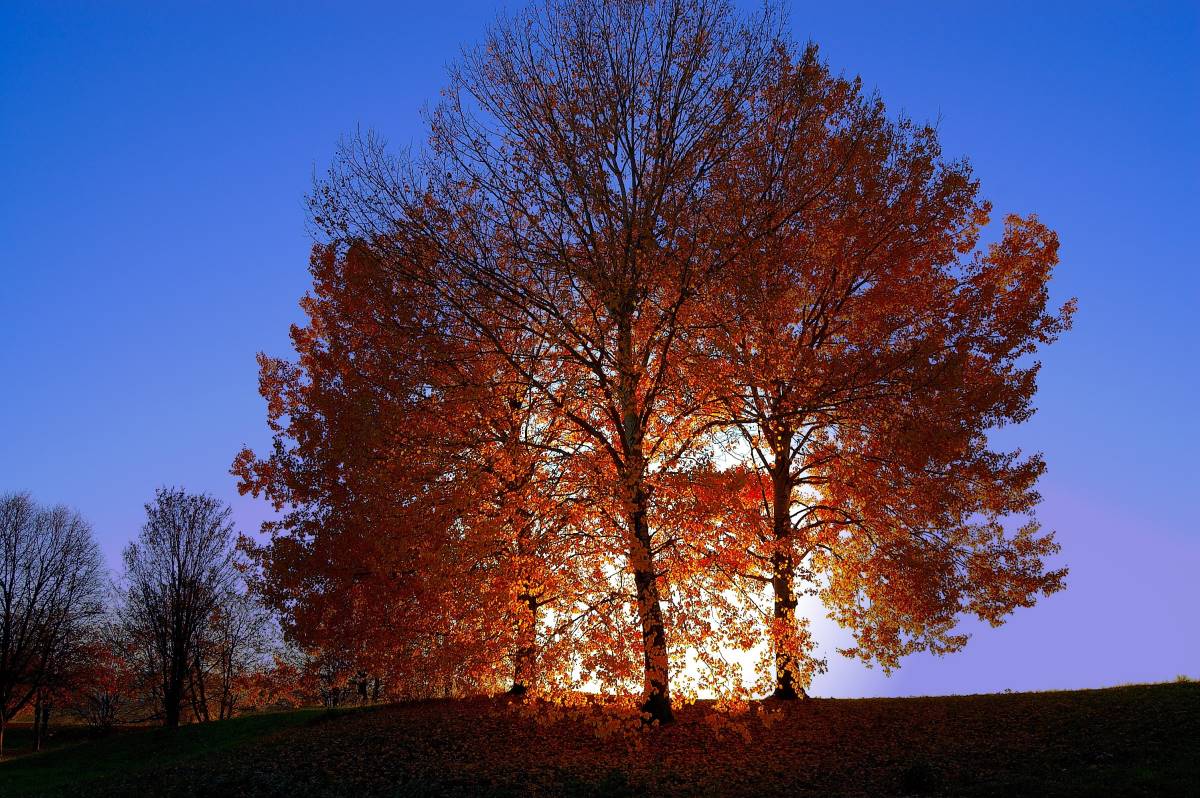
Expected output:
(1138, 740)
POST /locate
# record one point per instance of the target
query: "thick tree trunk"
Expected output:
(175, 679)
(657, 692)
(657, 682)
(786, 667)
(783, 572)
(525, 657)
(172, 705)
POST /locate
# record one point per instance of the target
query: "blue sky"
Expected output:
(154, 158)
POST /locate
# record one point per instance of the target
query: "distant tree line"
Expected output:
(175, 638)
(51, 598)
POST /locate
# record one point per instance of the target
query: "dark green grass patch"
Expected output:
(129, 753)
(18, 738)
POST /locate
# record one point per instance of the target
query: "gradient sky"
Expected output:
(153, 162)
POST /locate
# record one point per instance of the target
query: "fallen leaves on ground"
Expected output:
(1137, 740)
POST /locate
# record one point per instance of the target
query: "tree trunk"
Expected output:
(44, 728)
(172, 703)
(37, 723)
(657, 683)
(3, 726)
(783, 570)
(654, 641)
(525, 657)
(786, 667)
(41, 720)
(225, 680)
(199, 696)
(175, 679)
(523, 663)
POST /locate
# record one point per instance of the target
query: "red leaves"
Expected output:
(622, 355)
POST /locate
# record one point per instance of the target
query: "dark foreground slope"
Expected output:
(1139, 740)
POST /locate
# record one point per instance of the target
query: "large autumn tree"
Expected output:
(864, 350)
(639, 229)
(563, 198)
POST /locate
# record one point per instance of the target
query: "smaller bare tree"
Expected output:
(51, 588)
(176, 574)
(242, 642)
(236, 643)
(107, 691)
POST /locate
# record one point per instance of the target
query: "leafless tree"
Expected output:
(107, 691)
(176, 574)
(51, 588)
(238, 640)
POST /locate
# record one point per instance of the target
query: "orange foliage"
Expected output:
(621, 355)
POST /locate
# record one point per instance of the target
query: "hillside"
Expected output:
(1135, 740)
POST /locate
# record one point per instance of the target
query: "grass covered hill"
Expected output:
(1135, 740)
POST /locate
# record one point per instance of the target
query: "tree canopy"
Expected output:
(666, 326)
